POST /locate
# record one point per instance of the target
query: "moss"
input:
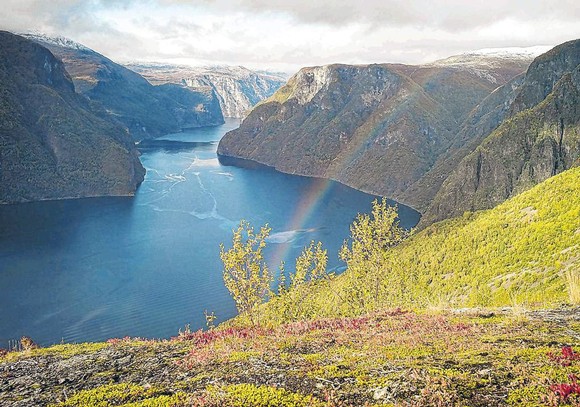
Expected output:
(242, 356)
(529, 396)
(111, 395)
(243, 395)
(174, 400)
(430, 358)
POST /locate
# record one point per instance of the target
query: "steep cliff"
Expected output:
(237, 88)
(51, 145)
(481, 121)
(379, 128)
(539, 140)
(125, 96)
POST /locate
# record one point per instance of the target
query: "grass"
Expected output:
(573, 283)
(64, 351)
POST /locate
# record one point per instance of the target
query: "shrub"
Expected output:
(566, 357)
(27, 343)
(564, 391)
(371, 236)
(246, 274)
(310, 270)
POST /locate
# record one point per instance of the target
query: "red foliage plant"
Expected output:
(298, 328)
(200, 338)
(564, 390)
(566, 357)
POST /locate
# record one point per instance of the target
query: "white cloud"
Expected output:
(286, 35)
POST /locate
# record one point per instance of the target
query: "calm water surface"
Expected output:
(92, 269)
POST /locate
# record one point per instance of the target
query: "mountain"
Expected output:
(124, 96)
(480, 122)
(237, 88)
(379, 128)
(51, 144)
(539, 138)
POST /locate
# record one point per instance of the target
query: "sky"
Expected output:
(285, 35)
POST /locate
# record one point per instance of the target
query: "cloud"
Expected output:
(450, 15)
(286, 35)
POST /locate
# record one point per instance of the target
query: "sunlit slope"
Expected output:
(516, 252)
(523, 252)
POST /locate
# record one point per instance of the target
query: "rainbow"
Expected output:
(320, 187)
(307, 205)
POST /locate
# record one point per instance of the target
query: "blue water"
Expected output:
(93, 269)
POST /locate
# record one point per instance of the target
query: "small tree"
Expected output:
(310, 269)
(293, 301)
(371, 237)
(310, 265)
(246, 274)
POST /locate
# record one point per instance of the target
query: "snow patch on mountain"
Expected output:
(58, 41)
(484, 62)
(514, 52)
(493, 56)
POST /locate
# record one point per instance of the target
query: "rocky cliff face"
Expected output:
(379, 128)
(237, 88)
(480, 122)
(126, 97)
(51, 145)
(540, 139)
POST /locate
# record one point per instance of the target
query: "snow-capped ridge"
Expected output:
(513, 51)
(57, 40)
(487, 56)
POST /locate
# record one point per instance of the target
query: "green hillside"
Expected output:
(524, 252)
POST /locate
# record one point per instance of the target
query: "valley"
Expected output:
(269, 204)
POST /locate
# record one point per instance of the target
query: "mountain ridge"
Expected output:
(539, 137)
(52, 145)
(123, 96)
(375, 135)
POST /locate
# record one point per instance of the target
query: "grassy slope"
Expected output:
(515, 254)
(516, 251)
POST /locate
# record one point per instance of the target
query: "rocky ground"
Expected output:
(461, 357)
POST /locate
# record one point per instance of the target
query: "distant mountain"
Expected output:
(379, 128)
(51, 145)
(237, 88)
(117, 92)
(498, 64)
(539, 138)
